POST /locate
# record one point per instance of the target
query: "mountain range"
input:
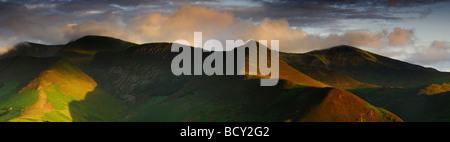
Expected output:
(98, 78)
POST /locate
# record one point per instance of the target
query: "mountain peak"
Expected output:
(368, 67)
(345, 52)
(98, 43)
(94, 37)
(32, 49)
(341, 48)
(345, 47)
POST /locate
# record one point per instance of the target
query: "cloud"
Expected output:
(438, 51)
(107, 25)
(6, 45)
(182, 23)
(188, 19)
(401, 37)
(440, 45)
(319, 13)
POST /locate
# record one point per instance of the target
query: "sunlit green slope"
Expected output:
(61, 93)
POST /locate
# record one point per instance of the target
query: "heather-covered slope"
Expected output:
(340, 105)
(328, 76)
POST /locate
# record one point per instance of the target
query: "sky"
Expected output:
(414, 31)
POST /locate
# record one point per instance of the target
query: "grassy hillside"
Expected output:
(15, 73)
(249, 102)
(57, 93)
(409, 106)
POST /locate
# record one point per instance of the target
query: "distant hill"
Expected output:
(368, 67)
(79, 51)
(33, 49)
(82, 50)
(93, 43)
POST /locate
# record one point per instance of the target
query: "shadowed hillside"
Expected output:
(142, 77)
(162, 50)
(368, 67)
(407, 104)
(33, 49)
(328, 76)
(82, 50)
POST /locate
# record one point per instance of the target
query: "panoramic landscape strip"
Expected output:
(224, 61)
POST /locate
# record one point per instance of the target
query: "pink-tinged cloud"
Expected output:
(401, 37)
(182, 23)
(438, 51)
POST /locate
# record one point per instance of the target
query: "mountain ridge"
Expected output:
(139, 76)
(368, 67)
(313, 60)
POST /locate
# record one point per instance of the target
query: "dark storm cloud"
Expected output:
(298, 13)
(319, 12)
(28, 19)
